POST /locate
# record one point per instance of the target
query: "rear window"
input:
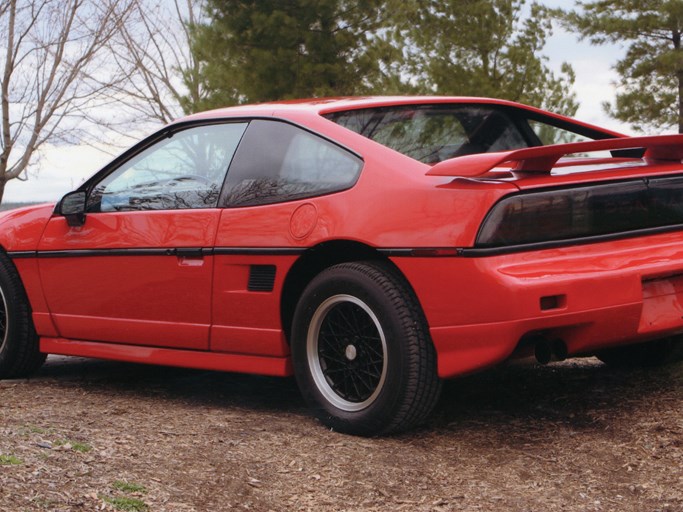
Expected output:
(433, 133)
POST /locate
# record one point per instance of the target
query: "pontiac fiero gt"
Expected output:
(372, 247)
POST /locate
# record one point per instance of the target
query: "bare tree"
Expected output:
(53, 71)
(153, 50)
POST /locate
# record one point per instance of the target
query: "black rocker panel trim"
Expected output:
(178, 251)
(411, 252)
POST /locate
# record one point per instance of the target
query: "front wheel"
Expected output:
(363, 357)
(19, 351)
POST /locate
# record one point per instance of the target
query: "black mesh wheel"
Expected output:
(347, 352)
(362, 353)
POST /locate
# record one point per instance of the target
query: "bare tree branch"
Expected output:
(52, 70)
(153, 49)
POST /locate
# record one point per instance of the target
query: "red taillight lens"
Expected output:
(581, 212)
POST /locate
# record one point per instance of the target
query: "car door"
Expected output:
(269, 213)
(139, 269)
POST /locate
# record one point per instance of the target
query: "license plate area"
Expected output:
(662, 304)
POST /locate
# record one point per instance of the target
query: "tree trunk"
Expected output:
(676, 38)
(680, 101)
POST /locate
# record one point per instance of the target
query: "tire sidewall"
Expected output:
(378, 414)
(20, 355)
(9, 347)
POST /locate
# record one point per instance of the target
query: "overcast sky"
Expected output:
(61, 169)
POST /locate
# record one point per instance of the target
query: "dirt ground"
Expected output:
(93, 435)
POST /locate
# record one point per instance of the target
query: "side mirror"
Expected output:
(72, 206)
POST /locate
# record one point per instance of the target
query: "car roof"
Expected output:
(295, 109)
(327, 105)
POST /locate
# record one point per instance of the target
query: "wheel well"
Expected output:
(311, 263)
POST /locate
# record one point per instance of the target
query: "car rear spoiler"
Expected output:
(542, 159)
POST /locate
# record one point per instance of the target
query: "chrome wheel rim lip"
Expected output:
(320, 379)
(3, 320)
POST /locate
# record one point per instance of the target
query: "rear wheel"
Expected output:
(19, 351)
(644, 355)
(362, 353)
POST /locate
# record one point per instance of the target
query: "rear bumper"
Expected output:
(590, 297)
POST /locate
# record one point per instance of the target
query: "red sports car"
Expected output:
(370, 246)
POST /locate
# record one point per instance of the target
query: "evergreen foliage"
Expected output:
(481, 48)
(261, 50)
(651, 74)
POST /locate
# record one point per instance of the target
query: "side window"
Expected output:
(184, 171)
(278, 162)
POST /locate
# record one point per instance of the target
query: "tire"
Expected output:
(19, 350)
(362, 354)
(644, 355)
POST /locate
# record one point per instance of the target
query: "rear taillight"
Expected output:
(581, 212)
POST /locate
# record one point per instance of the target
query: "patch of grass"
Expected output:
(126, 504)
(121, 485)
(80, 447)
(9, 460)
(76, 446)
(33, 429)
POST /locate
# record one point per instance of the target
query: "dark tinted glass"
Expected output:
(433, 133)
(279, 162)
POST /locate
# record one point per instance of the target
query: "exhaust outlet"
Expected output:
(543, 352)
(547, 351)
(559, 350)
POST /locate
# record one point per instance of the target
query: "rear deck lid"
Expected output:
(578, 200)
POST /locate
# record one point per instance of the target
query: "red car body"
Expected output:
(185, 287)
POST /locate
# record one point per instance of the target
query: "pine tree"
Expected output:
(261, 50)
(651, 74)
(480, 48)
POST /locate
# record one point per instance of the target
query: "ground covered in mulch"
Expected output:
(92, 435)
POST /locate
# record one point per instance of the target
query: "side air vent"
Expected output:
(261, 278)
